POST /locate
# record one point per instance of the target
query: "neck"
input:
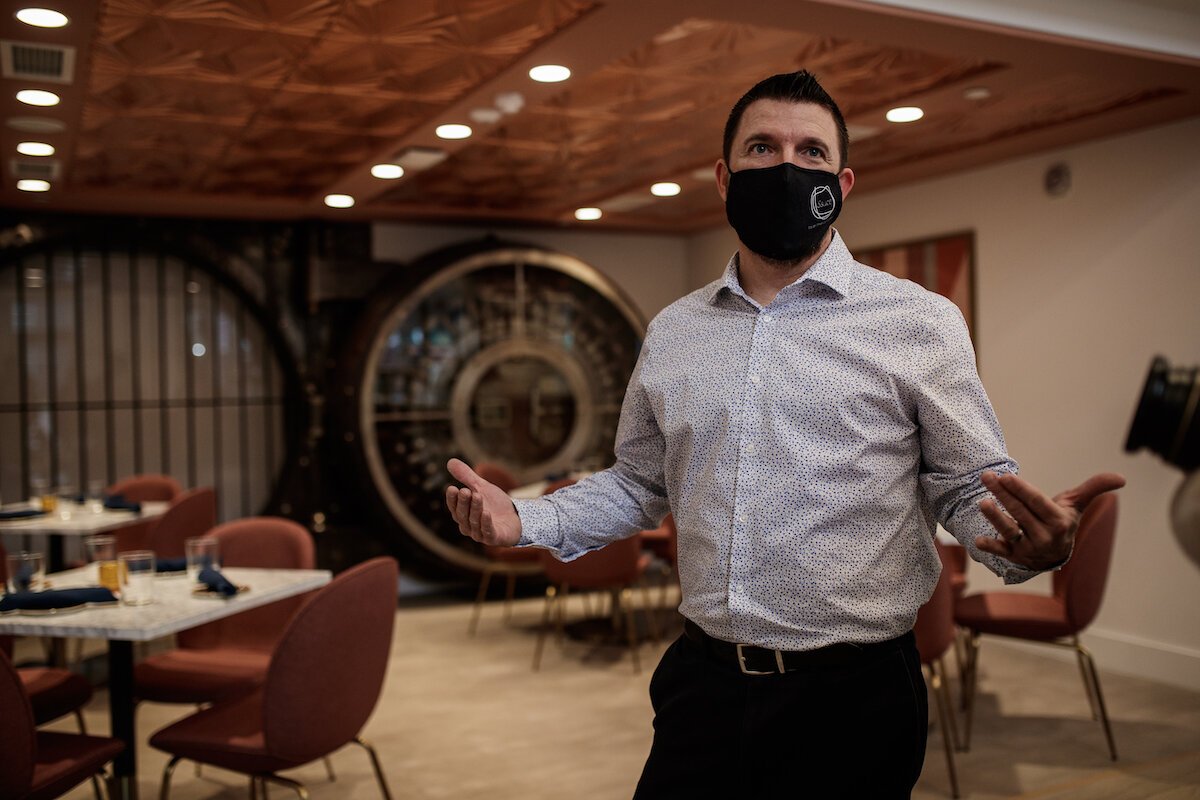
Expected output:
(763, 278)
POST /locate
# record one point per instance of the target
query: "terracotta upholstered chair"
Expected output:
(52, 692)
(511, 562)
(322, 684)
(146, 488)
(231, 656)
(936, 633)
(193, 513)
(43, 764)
(614, 569)
(1056, 619)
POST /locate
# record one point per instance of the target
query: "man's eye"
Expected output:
(814, 152)
(758, 149)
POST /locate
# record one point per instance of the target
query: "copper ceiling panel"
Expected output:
(258, 109)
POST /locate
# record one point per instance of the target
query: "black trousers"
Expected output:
(853, 731)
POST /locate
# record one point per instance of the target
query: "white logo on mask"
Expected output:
(822, 202)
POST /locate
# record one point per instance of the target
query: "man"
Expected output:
(807, 419)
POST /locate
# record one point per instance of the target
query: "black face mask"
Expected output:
(782, 212)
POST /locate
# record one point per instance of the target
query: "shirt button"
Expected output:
(754, 377)
(767, 318)
(750, 448)
(741, 518)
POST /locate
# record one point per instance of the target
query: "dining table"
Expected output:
(178, 604)
(71, 519)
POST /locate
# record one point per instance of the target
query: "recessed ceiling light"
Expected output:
(31, 185)
(42, 17)
(485, 116)
(339, 200)
(588, 214)
(510, 102)
(905, 114)
(387, 172)
(37, 97)
(549, 73)
(977, 93)
(453, 131)
(665, 189)
(36, 125)
(35, 149)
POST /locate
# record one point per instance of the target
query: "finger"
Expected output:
(1093, 487)
(486, 529)
(464, 474)
(1008, 528)
(1039, 504)
(476, 511)
(463, 511)
(997, 547)
(452, 501)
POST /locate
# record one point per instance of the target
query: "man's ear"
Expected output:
(846, 179)
(722, 172)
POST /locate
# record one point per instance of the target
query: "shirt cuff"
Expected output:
(539, 524)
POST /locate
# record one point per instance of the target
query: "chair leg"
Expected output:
(329, 769)
(253, 788)
(1095, 679)
(164, 793)
(98, 786)
(484, 579)
(1088, 688)
(383, 787)
(297, 787)
(79, 721)
(626, 601)
(941, 698)
(551, 593)
(969, 685)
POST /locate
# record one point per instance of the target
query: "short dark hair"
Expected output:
(795, 87)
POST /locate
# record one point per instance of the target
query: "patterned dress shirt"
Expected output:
(806, 448)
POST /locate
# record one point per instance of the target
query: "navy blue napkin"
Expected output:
(117, 502)
(21, 513)
(170, 564)
(217, 582)
(55, 598)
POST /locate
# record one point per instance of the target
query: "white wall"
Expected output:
(651, 269)
(1074, 296)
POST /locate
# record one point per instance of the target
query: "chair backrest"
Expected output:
(1080, 583)
(147, 488)
(494, 473)
(616, 564)
(934, 627)
(327, 672)
(193, 513)
(255, 542)
(561, 483)
(19, 753)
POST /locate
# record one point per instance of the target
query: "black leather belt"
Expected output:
(753, 660)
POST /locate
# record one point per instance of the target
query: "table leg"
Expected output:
(54, 554)
(121, 711)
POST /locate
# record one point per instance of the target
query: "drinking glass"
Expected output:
(102, 553)
(26, 572)
(201, 552)
(137, 577)
(64, 500)
(95, 496)
(47, 499)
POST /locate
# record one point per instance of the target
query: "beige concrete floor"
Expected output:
(466, 718)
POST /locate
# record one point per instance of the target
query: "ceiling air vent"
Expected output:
(43, 169)
(39, 62)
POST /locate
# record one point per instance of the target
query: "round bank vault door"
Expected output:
(513, 356)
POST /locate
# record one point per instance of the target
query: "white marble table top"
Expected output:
(175, 607)
(75, 519)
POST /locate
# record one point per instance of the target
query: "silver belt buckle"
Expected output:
(741, 657)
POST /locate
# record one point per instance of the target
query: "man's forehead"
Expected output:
(786, 117)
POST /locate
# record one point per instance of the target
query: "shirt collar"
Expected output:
(833, 269)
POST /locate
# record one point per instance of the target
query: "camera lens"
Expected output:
(1165, 420)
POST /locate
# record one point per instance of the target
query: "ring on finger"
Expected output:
(1018, 536)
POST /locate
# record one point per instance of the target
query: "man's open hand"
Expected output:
(1037, 531)
(482, 510)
